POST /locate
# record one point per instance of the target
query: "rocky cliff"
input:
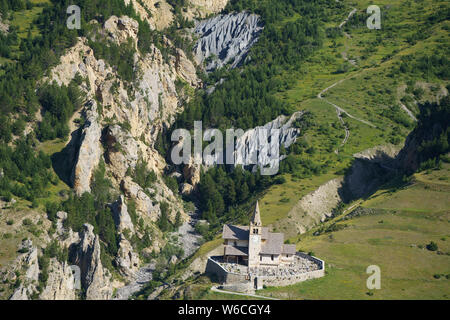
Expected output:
(131, 116)
(95, 279)
(60, 283)
(121, 121)
(160, 14)
(89, 150)
(27, 261)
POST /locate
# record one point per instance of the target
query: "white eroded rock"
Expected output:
(226, 39)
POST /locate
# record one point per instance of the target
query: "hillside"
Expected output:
(88, 119)
(392, 230)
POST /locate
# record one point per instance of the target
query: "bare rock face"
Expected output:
(149, 105)
(226, 39)
(60, 283)
(203, 8)
(247, 145)
(21, 293)
(127, 259)
(370, 169)
(4, 27)
(158, 13)
(29, 262)
(89, 152)
(120, 29)
(94, 278)
(191, 173)
(121, 216)
(186, 189)
(379, 154)
(318, 205)
(144, 205)
(122, 150)
(65, 236)
(186, 69)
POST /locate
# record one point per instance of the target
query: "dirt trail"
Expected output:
(348, 17)
(409, 112)
(339, 110)
(345, 21)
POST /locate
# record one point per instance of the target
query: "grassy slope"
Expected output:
(366, 90)
(394, 239)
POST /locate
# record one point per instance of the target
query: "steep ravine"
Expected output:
(121, 122)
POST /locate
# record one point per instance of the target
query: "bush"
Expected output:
(432, 246)
(34, 204)
(171, 183)
(142, 175)
(52, 208)
(163, 222)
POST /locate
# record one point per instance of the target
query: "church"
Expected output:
(254, 245)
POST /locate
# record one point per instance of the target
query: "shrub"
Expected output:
(34, 204)
(142, 175)
(172, 183)
(432, 246)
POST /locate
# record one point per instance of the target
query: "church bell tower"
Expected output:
(255, 233)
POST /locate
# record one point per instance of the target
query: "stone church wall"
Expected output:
(241, 282)
(224, 276)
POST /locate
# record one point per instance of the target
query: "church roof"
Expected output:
(289, 249)
(236, 251)
(273, 244)
(256, 219)
(232, 232)
(235, 232)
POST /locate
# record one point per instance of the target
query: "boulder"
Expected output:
(186, 189)
(65, 236)
(173, 260)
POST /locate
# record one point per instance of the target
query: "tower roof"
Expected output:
(256, 219)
